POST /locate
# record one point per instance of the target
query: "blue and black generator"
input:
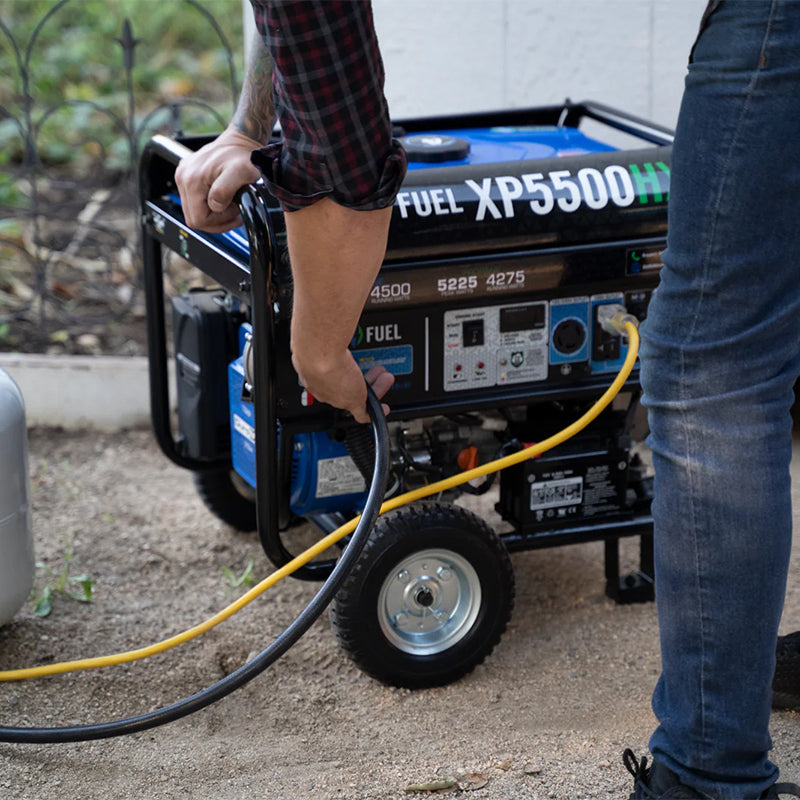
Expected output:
(510, 232)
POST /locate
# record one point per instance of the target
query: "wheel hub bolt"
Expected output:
(404, 576)
(444, 573)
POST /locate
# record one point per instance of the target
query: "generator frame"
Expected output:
(259, 284)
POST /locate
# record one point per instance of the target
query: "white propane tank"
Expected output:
(16, 539)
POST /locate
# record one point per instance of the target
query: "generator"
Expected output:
(511, 231)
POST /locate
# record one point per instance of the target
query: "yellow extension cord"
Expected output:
(621, 321)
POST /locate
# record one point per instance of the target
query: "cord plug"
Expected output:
(612, 318)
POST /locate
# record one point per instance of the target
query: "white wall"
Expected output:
(446, 56)
(459, 55)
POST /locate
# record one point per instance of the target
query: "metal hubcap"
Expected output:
(429, 602)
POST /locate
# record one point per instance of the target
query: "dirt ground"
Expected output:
(546, 716)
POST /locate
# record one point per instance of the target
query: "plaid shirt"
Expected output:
(328, 89)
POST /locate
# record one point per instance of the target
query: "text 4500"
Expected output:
(387, 292)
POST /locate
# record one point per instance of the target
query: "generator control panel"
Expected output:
(519, 343)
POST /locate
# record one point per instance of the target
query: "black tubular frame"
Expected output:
(567, 113)
(254, 284)
(153, 269)
(259, 291)
(263, 298)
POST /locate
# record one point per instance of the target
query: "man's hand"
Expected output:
(342, 384)
(208, 180)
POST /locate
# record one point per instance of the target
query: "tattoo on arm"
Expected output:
(255, 114)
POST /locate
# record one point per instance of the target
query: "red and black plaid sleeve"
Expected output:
(328, 83)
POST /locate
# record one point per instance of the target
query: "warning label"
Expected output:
(337, 476)
(552, 494)
(578, 487)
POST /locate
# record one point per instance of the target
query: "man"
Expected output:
(720, 354)
(720, 346)
(336, 172)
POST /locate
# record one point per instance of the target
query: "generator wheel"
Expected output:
(428, 599)
(228, 496)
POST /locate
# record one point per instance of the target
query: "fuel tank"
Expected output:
(16, 537)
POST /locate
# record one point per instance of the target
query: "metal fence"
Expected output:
(70, 270)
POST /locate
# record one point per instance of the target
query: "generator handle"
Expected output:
(157, 177)
(156, 173)
(169, 149)
(627, 123)
(262, 303)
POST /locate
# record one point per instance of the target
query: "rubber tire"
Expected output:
(223, 498)
(397, 535)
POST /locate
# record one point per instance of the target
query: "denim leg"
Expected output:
(719, 359)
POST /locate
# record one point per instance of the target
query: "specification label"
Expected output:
(337, 476)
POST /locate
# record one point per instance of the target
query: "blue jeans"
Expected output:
(720, 354)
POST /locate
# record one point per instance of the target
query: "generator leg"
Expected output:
(636, 587)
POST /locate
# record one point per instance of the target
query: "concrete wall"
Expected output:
(102, 392)
(465, 55)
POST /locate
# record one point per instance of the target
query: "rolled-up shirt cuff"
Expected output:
(296, 187)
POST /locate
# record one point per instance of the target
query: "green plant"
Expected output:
(78, 83)
(76, 587)
(245, 579)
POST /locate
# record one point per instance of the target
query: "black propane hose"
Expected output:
(254, 667)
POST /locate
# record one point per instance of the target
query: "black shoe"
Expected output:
(786, 683)
(779, 789)
(655, 781)
(660, 782)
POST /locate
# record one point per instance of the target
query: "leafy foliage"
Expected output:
(68, 59)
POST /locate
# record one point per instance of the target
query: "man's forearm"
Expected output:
(255, 113)
(336, 253)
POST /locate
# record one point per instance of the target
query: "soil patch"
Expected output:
(546, 716)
